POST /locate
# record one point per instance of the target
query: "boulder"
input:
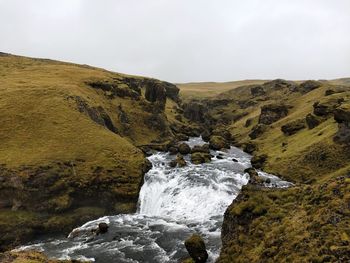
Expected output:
(293, 127)
(102, 228)
(196, 248)
(272, 112)
(309, 85)
(258, 161)
(201, 148)
(257, 131)
(312, 121)
(200, 157)
(218, 142)
(184, 148)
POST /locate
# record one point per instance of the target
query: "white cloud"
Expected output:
(182, 40)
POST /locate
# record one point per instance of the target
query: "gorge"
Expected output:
(82, 146)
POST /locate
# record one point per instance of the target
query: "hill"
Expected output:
(300, 132)
(71, 138)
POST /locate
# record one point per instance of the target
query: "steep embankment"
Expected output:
(299, 131)
(69, 135)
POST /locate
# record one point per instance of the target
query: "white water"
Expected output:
(173, 204)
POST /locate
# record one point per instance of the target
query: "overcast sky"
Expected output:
(186, 40)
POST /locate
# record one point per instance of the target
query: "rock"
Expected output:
(182, 137)
(206, 135)
(173, 150)
(218, 142)
(272, 112)
(257, 131)
(195, 111)
(293, 127)
(249, 147)
(223, 132)
(219, 157)
(342, 117)
(254, 177)
(102, 228)
(155, 92)
(201, 148)
(184, 148)
(329, 92)
(235, 160)
(200, 157)
(309, 85)
(196, 248)
(173, 163)
(326, 108)
(248, 122)
(180, 160)
(258, 161)
(257, 91)
(312, 121)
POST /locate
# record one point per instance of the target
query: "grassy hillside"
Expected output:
(69, 135)
(292, 130)
(196, 90)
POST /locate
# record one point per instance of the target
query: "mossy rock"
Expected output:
(217, 142)
(196, 248)
(200, 157)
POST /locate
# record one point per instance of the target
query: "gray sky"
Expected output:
(186, 40)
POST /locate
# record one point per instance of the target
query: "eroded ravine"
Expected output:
(173, 203)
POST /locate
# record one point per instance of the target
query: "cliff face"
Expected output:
(69, 137)
(298, 131)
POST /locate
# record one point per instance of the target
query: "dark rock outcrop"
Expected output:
(325, 108)
(257, 91)
(249, 147)
(248, 122)
(309, 85)
(196, 248)
(342, 117)
(96, 114)
(257, 131)
(312, 121)
(272, 112)
(155, 92)
(195, 111)
(258, 161)
(293, 127)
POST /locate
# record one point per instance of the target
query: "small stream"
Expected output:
(173, 204)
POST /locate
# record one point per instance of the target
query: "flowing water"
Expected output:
(173, 204)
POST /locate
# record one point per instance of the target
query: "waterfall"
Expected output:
(173, 204)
